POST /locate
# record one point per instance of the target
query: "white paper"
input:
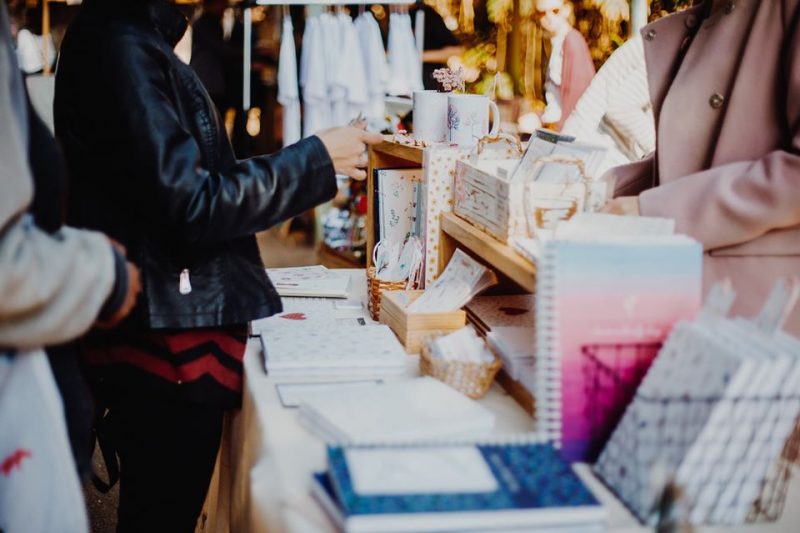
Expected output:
(462, 279)
(293, 394)
(397, 471)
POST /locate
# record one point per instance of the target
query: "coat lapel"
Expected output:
(693, 95)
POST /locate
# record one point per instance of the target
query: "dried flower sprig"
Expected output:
(449, 79)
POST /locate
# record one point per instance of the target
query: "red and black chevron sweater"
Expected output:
(196, 365)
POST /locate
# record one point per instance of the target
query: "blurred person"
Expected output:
(213, 54)
(568, 68)
(615, 110)
(724, 80)
(151, 165)
(439, 44)
(31, 44)
(55, 284)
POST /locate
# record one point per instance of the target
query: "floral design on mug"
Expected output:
(453, 120)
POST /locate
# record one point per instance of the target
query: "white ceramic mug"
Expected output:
(430, 116)
(468, 118)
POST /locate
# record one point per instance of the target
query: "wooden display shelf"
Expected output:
(331, 258)
(458, 233)
(387, 154)
(411, 154)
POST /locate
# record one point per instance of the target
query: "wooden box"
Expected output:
(413, 329)
(491, 197)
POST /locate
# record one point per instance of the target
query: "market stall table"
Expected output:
(268, 459)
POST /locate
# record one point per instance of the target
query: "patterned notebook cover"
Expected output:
(527, 478)
(490, 312)
(603, 312)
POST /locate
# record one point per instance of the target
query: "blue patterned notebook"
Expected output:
(455, 487)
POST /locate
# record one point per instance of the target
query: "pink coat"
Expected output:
(727, 161)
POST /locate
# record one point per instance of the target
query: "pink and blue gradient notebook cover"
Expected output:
(613, 305)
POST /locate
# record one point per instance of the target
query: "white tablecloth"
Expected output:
(268, 459)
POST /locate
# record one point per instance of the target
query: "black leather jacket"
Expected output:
(151, 166)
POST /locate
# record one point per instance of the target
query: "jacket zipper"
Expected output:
(185, 284)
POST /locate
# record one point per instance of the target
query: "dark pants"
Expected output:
(167, 454)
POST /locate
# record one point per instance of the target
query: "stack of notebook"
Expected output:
(312, 281)
(410, 410)
(508, 324)
(490, 486)
(344, 351)
(713, 416)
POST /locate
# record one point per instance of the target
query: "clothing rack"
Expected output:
(248, 28)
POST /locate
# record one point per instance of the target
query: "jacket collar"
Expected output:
(162, 15)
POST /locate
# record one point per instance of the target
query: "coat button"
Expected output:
(729, 7)
(650, 35)
(691, 22)
(716, 100)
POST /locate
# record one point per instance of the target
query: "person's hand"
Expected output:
(624, 205)
(134, 288)
(347, 148)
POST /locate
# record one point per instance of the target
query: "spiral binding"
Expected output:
(511, 439)
(548, 374)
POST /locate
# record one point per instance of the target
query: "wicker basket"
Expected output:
(471, 379)
(375, 288)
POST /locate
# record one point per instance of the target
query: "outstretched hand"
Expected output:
(347, 148)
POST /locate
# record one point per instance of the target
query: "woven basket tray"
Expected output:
(471, 379)
(375, 288)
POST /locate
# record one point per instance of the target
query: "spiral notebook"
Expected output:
(500, 484)
(603, 309)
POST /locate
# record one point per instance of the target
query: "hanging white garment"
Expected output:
(39, 487)
(314, 80)
(375, 67)
(351, 73)
(337, 91)
(405, 63)
(413, 55)
(288, 90)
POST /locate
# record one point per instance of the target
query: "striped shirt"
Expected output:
(615, 110)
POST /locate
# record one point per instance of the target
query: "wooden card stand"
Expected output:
(412, 329)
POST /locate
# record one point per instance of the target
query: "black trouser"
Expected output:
(167, 453)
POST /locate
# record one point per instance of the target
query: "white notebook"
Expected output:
(313, 281)
(412, 410)
(337, 351)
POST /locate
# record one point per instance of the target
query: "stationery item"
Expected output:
(515, 346)
(462, 279)
(543, 145)
(313, 281)
(489, 312)
(371, 351)
(461, 360)
(716, 415)
(605, 303)
(399, 261)
(413, 328)
(602, 226)
(492, 485)
(439, 162)
(293, 394)
(305, 313)
(463, 345)
(468, 118)
(422, 408)
(398, 205)
(594, 227)
(430, 116)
